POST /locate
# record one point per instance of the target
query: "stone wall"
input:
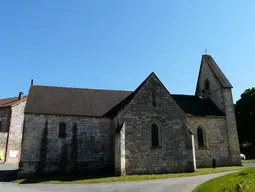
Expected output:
(222, 97)
(215, 90)
(215, 138)
(88, 145)
(120, 152)
(15, 134)
(232, 127)
(4, 118)
(175, 151)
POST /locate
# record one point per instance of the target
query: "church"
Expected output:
(145, 131)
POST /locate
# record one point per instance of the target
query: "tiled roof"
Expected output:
(98, 103)
(72, 101)
(7, 102)
(113, 111)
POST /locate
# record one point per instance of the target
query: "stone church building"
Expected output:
(148, 130)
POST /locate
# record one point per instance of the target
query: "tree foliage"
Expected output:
(245, 116)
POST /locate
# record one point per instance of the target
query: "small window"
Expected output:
(74, 128)
(200, 137)
(154, 135)
(207, 85)
(154, 99)
(62, 130)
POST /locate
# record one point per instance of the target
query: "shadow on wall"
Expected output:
(8, 175)
(64, 176)
(8, 172)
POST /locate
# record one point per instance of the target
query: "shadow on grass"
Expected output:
(64, 177)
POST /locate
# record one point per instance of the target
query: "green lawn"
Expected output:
(71, 179)
(243, 181)
(248, 161)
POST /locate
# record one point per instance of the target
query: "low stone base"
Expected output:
(28, 169)
(173, 168)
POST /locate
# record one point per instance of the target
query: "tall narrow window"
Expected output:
(62, 130)
(154, 135)
(200, 137)
(154, 99)
(207, 85)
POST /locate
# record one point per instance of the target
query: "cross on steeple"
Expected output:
(205, 51)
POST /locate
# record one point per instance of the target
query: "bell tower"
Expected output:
(214, 84)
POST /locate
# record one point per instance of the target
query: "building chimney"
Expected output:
(32, 82)
(20, 95)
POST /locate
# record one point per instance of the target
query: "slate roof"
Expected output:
(217, 71)
(7, 102)
(72, 101)
(98, 103)
(196, 106)
(113, 111)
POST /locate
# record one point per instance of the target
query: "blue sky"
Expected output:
(117, 44)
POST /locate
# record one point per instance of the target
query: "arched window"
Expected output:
(207, 85)
(62, 130)
(200, 137)
(155, 136)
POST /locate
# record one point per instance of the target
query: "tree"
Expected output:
(245, 116)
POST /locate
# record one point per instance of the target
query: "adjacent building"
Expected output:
(11, 127)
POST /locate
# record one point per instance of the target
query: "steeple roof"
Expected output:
(207, 59)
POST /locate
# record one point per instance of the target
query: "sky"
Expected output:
(116, 44)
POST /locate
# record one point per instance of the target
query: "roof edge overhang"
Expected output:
(207, 116)
(18, 102)
(70, 115)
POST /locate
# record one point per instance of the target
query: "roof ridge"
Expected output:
(184, 95)
(125, 101)
(6, 98)
(11, 101)
(94, 89)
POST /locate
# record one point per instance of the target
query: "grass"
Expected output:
(71, 179)
(243, 181)
(248, 161)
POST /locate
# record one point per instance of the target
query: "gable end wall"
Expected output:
(175, 153)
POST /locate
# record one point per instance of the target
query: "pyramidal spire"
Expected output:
(210, 77)
(207, 59)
